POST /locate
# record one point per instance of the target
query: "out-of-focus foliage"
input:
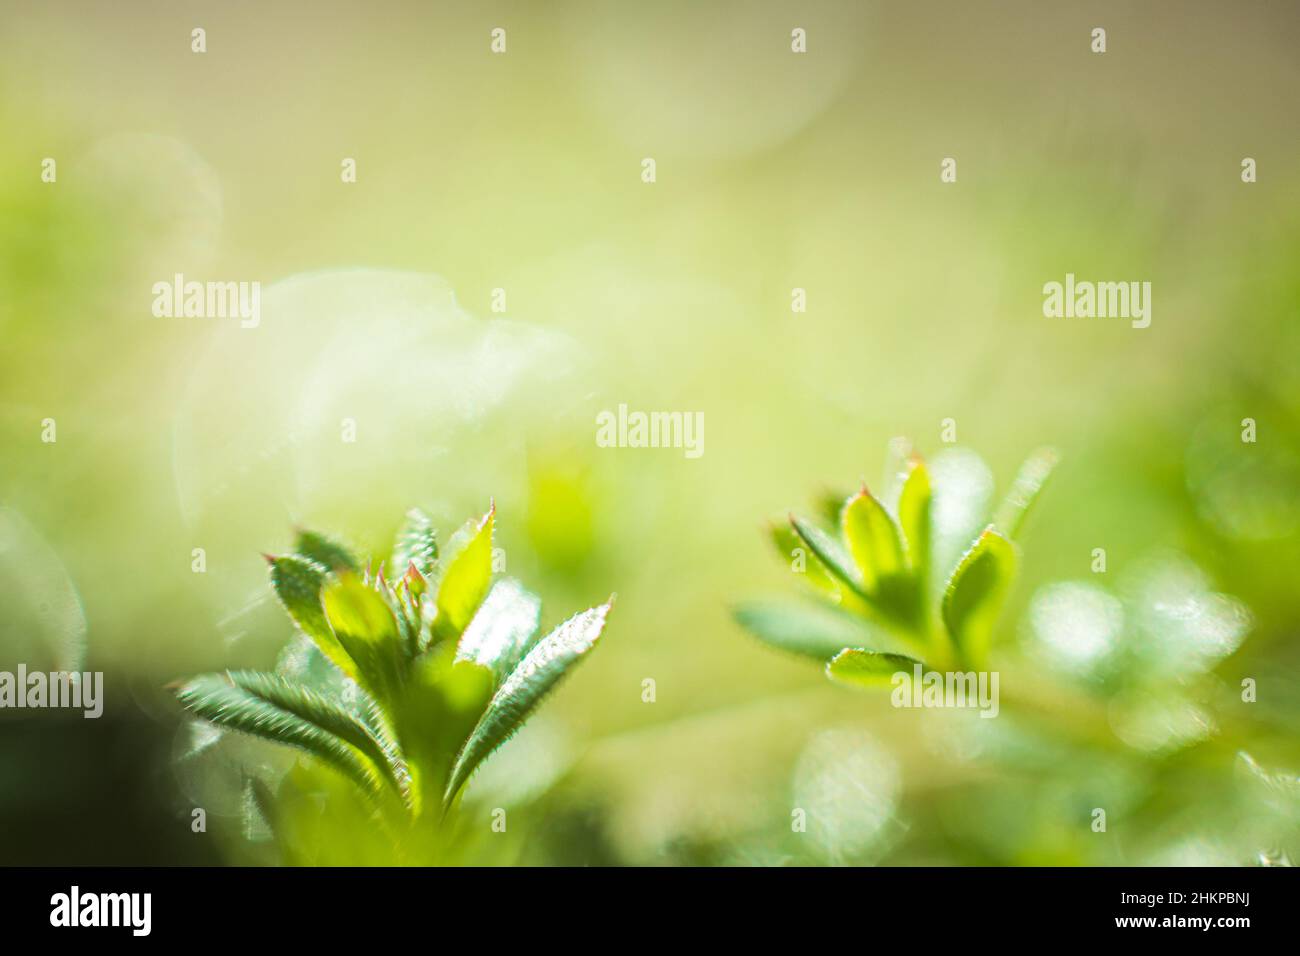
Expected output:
(1108, 697)
(776, 171)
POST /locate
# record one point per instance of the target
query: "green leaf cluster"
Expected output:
(869, 564)
(420, 676)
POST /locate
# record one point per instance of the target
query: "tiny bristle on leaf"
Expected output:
(539, 671)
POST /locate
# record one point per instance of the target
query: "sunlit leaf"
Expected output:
(976, 592)
(864, 668)
(465, 580)
(502, 629)
(539, 671)
(366, 629)
(914, 517)
(298, 582)
(873, 539)
(829, 552)
(303, 702)
(797, 556)
(215, 698)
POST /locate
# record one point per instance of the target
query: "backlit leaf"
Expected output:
(298, 582)
(873, 539)
(215, 698)
(366, 629)
(303, 702)
(829, 552)
(864, 668)
(465, 581)
(539, 671)
(976, 592)
(502, 629)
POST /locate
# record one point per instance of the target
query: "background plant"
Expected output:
(874, 565)
(1114, 698)
(405, 688)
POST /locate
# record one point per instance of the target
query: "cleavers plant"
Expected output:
(871, 565)
(413, 681)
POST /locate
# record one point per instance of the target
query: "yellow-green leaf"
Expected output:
(864, 668)
(976, 593)
(914, 517)
(539, 671)
(365, 627)
(830, 553)
(873, 539)
(465, 581)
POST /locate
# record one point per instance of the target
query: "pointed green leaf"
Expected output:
(795, 553)
(1024, 491)
(298, 582)
(807, 629)
(501, 631)
(976, 592)
(366, 629)
(214, 698)
(465, 581)
(864, 668)
(829, 552)
(539, 671)
(326, 552)
(914, 517)
(417, 543)
(873, 539)
(301, 701)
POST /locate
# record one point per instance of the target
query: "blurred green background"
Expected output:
(522, 172)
